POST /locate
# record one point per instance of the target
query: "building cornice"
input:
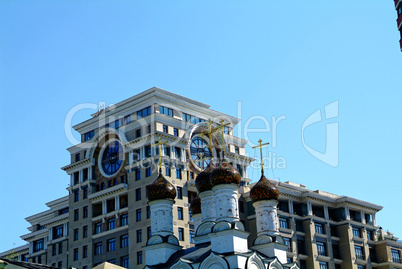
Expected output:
(120, 188)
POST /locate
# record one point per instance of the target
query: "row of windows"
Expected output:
(110, 224)
(57, 249)
(76, 194)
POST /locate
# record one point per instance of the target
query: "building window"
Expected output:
(395, 256)
(323, 265)
(359, 252)
(139, 257)
(148, 151)
(178, 173)
(98, 248)
(139, 236)
(166, 150)
(192, 119)
(321, 249)
(236, 149)
(137, 174)
(76, 214)
(166, 111)
(138, 215)
(167, 170)
(54, 250)
(76, 195)
(77, 157)
(191, 175)
(85, 192)
(112, 261)
(165, 129)
(89, 135)
(127, 119)
(76, 234)
(75, 254)
(301, 249)
(192, 235)
(361, 267)
(148, 171)
(138, 194)
(356, 232)
(124, 241)
(144, 112)
(38, 245)
(319, 228)
(176, 132)
(370, 235)
(177, 152)
(138, 133)
(149, 232)
(98, 227)
(117, 124)
(85, 232)
(148, 212)
(111, 244)
(288, 243)
(181, 234)
(124, 220)
(124, 261)
(111, 224)
(299, 226)
(180, 213)
(60, 248)
(179, 193)
(58, 232)
(149, 129)
(283, 223)
(335, 251)
(85, 212)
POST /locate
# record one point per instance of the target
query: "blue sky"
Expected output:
(275, 58)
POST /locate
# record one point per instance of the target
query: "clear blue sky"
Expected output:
(278, 58)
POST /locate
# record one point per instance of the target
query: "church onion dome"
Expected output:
(264, 190)
(195, 205)
(225, 173)
(161, 189)
(203, 180)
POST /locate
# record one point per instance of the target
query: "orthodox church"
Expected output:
(221, 238)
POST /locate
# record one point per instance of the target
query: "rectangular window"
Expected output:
(76, 214)
(181, 234)
(148, 171)
(58, 232)
(178, 173)
(76, 177)
(148, 151)
(124, 241)
(75, 254)
(138, 133)
(359, 252)
(137, 174)
(124, 261)
(85, 192)
(191, 175)
(127, 119)
(117, 124)
(98, 248)
(85, 231)
(148, 212)
(283, 223)
(76, 195)
(177, 152)
(111, 224)
(138, 215)
(144, 112)
(166, 111)
(299, 226)
(370, 235)
(76, 234)
(319, 228)
(361, 267)
(301, 247)
(124, 220)
(176, 132)
(111, 244)
(166, 151)
(149, 232)
(179, 193)
(192, 235)
(139, 236)
(89, 135)
(139, 257)
(60, 248)
(236, 150)
(149, 129)
(165, 129)
(77, 157)
(356, 232)
(85, 212)
(138, 194)
(321, 249)
(54, 250)
(395, 256)
(98, 227)
(180, 213)
(288, 243)
(192, 119)
(323, 265)
(112, 261)
(167, 170)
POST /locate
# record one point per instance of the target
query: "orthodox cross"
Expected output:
(260, 146)
(201, 159)
(160, 143)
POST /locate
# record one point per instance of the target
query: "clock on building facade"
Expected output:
(111, 158)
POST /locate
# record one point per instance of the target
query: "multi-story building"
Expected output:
(398, 6)
(106, 216)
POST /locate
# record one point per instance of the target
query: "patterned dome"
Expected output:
(264, 190)
(225, 173)
(161, 189)
(195, 205)
(203, 180)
